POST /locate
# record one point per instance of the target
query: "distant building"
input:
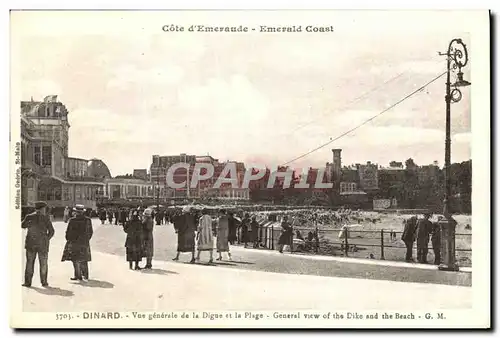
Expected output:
(204, 188)
(141, 173)
(368, 177)
(48, 173)
(128, 189)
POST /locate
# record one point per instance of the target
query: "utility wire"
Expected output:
(359, 98)
(366, 121)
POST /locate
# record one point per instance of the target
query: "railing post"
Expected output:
(346, 239)
(382, 244)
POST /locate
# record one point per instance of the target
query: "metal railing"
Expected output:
(380, 244)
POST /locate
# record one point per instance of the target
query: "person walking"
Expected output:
(109, 215)
(77, 248)
(123, 217)
(116, 213)
(254, 225)
(286, 236)
(233, 228)
(245, 224)
(185, 227)
(134, 241)
(40, 232)
(205, 239)
(424, 228)
(222, 243)
(102, 215)
(147, 224)
(66, 214)
(408, 236)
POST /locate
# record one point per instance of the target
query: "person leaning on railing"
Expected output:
(409, 236)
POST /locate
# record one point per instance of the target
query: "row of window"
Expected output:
(66, 193)
(42, 155)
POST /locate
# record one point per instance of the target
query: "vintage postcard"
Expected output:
(250, 169)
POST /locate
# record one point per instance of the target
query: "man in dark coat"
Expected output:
(424, 228)
(254, 225)
(436, 243)
(408, 236)
(102, 215)
(40, 231)
(116, 213)
(286, 236)
(134, 243)
(77, 248)
(123, 216)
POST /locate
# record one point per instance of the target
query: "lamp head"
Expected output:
(460, 81)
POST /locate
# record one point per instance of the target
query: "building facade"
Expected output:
(203, 189)
(48, 173)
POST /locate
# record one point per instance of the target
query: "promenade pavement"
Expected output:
(174, 286)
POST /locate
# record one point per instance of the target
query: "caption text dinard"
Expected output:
(248, 315)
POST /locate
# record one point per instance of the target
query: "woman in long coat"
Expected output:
(245, 224)
(222, 243)
(205, 236)
(233, 228)
(134, 241)
(77, 248)
(185, 227)
(147, 224)
(286, 236)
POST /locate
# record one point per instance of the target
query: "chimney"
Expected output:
(336, 167)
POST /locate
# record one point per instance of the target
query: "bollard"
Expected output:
(382, 244)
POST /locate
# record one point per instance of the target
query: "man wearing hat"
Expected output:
(424, 228)
(40, 231)
(77, 248)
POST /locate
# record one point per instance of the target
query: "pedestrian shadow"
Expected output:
(94, 283)
(224, 263)
(159, 272)
(242, 262)
(52, 291)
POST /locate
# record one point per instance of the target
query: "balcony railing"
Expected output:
(83, 179)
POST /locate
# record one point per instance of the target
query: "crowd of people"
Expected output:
(199, 230)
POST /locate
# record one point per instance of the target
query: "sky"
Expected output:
(133, 90)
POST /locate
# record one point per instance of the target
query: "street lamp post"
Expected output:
(457, 58)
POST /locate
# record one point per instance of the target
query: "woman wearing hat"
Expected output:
(185, 227)
(222, 243)
(205, 237)
(134, 242)
(147, 224)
